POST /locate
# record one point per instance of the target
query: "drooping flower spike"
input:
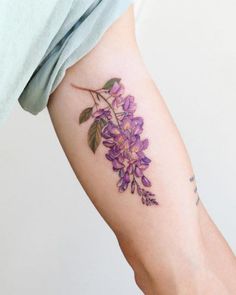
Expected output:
(120, 131)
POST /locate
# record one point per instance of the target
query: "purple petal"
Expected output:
(114, 130)
(98, 113)
(108, 143)
(106, 132)
(114, 152)
(108, 157)
(138, 121)
(132, 107)
(145, 144)
(135, 148)
(126, 123)
(117, 89)
(121, 158)
(138, 172)
(129, 105)
(121, 172)
(132, 186)
(123, 186)
(126, 104)
(146, 181)
(143, 166)
(114, 103)
(146, 160)
(137, 130)
(117, 165)
(127, 178)
(130, 169)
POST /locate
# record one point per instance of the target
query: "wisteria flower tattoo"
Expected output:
(115, 124)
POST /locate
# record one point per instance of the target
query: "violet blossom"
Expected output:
(121, 132)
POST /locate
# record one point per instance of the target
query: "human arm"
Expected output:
(164, 243)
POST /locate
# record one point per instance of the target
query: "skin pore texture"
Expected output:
(129, 157)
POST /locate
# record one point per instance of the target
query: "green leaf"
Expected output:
(110, 83)
(94, 134)
(103, 122)
(85, 115)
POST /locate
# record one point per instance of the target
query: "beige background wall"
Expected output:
(52, 241)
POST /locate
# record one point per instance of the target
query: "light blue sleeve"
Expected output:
(79, 33)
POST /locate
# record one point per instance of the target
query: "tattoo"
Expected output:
(192, 179)
(114, 122)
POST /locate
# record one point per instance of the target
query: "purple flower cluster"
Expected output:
(103, 114)
(115, 124)
(122, 137)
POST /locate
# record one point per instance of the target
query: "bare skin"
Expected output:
(173, 248)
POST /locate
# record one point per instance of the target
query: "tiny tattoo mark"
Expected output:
(114, 123)
(192, 179)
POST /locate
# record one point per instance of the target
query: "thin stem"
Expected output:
(95, 103)
(120, 113)
(101, 96)
(82, 88)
